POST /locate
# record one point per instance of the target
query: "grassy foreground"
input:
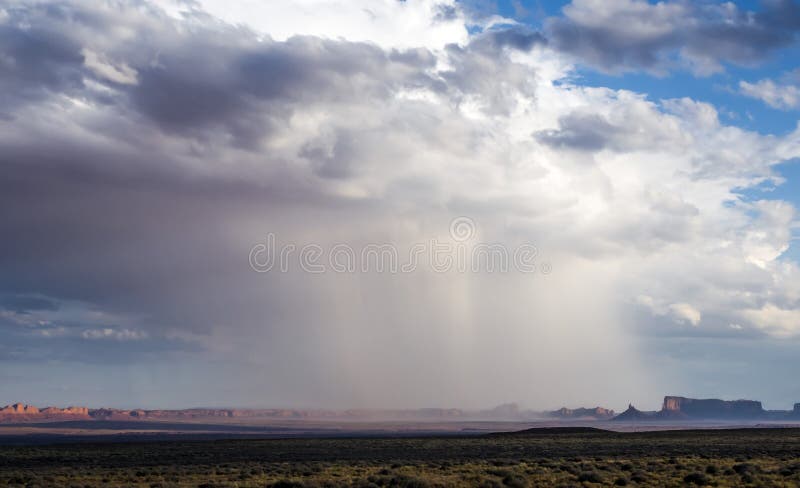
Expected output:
(756, 457)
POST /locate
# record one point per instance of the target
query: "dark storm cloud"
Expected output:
(36, 345)
(246, 88)
(189, 81)
(155, 253)
(332, 160)
(621, 34)
(591, 132)
(35, 59)
(132, 222)
(125, 221)
(520, 38)
(475, 69)
(121, 241)
(121, 224)
(26, 303)
(586, 132)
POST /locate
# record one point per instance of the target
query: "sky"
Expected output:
(399, 204)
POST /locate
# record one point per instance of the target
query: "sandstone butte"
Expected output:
(20, 409)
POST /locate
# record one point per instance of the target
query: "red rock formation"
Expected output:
(599, 413)
(27, 413)
(82, 411)
(710, 408)
(19, 409)
(681, 408)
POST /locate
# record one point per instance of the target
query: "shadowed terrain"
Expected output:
(560, 457)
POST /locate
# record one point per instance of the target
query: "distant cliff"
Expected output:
(634, 415)
(682, 408)
(691, 408)
(19, 412)
(674, 408)
(598, 413)
(19, 409)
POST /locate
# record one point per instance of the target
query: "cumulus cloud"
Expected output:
(387, 23)
(139, 175)
(685, 312)
(780, 96)
(101, 67)
(780, 321)
(680, 313)
(620, 35)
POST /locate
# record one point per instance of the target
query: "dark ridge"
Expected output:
(632, 414)
(551, 431)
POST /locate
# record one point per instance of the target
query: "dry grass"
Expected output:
(720, 458)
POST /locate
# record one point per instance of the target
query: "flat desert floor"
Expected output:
(572, 456)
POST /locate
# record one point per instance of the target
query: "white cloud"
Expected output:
(680, 313)
(782, 322)
(388, 23)
(102, 67)
(684, 312)
(643, 21)
(769, 235)
(781, 96)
